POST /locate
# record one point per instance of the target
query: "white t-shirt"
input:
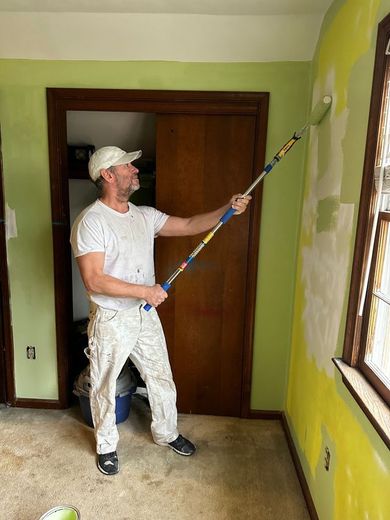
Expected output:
(127, 239)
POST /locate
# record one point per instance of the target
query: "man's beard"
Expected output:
(124, 194)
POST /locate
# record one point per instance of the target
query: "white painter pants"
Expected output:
(113, 337)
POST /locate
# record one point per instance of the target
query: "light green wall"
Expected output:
(320, 410)
(26, 177)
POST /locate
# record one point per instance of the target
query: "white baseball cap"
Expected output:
(109, 156)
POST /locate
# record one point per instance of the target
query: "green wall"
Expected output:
(320, 410)
(27, 190)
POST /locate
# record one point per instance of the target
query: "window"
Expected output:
(366, 355)
(374, 306)
(374, 355)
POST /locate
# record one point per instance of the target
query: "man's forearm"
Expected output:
(111, 286)
(205, 221)
(178, 226)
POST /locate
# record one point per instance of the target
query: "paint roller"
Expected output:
(316, 116)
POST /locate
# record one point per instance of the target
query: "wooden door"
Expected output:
(202, 160)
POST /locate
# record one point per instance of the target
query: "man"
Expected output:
(113, 242)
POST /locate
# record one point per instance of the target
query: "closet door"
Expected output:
(202, 160)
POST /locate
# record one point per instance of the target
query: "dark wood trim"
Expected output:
(367, 200)
(59, 101)
(281, 416)
(38, 403)
(6, 339)
(357, 326)
(298, 468)
(365, 369)
(375, 381)
(373, 406)
(268, 415)
(60, 233)
(159, 101)
(255, 225)
(366, 412)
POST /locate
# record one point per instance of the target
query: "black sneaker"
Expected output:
(182, 446)
(108, 463)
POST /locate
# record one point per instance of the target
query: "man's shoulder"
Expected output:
(87, 233)
(154, 218)
(146, 211)
(140, 212)
(89, 214)
(139, 209)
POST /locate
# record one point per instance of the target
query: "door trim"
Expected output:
(7, 392)
(59, 101)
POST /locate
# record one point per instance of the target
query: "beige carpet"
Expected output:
(242, 469)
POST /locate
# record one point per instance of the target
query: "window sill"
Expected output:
(369, 401)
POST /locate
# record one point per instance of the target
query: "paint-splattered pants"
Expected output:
(113, 337)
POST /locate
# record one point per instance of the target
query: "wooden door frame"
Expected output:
(59, 101)
(7, 390)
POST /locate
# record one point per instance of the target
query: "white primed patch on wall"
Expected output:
(325, 259)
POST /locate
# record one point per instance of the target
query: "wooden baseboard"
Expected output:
(38, 403)
(273, 415)
(298, 468)
(280, 416)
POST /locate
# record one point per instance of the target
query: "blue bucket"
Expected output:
(122, 408)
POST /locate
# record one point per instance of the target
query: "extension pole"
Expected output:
(315, 118)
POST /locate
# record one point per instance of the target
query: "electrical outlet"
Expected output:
(30, 352)
(327, 458)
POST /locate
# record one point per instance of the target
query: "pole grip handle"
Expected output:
(226, 216)
(165, 286)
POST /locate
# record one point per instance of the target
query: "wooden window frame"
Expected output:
(366, 370)
(355, 373)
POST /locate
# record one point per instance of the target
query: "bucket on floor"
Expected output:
(126, 385)
(122, 408)
(62, 513)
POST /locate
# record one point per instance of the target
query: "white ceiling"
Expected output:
(217, 7)
(162, 30)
